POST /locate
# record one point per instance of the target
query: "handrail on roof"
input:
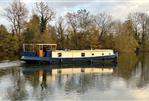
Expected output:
(42, 44)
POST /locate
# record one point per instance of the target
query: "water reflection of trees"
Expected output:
(34, 79)
(126, 64)
(133, 68)
(81, 83)
(4, 71)
(17, 90)
(141, 73)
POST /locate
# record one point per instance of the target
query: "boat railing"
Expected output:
(31, 54)
(33, 47)
(39, 50)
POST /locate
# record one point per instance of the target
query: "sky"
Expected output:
(118, 9)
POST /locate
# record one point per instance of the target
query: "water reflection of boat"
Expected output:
(64, 71)
(69, 68)
(73, 75)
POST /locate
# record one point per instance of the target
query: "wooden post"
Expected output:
(33, 47)
(23, 47)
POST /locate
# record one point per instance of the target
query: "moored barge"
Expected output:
(47, 53)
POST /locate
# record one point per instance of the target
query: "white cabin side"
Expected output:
(81, 53)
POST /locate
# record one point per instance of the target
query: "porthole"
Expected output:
(59, 54)
(92, 54)
(82, 54)
(102, 53)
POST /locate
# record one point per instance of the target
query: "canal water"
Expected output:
(126, 80)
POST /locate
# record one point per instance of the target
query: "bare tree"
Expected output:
(46, 14)
(142, 18)
(134, 18)
(79, 23)
(84, 19)
(140, 23)
(73, 28)
(103, 22)
(60, 32)
(72, 21)
(16, 13)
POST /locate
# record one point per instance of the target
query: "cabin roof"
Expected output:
(96, 50)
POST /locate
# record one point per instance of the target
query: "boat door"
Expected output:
(49, 53)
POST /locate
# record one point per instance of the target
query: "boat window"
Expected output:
(102, 53)
(59, 54)
(92, 54)
(109, 53)
(82, 54)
